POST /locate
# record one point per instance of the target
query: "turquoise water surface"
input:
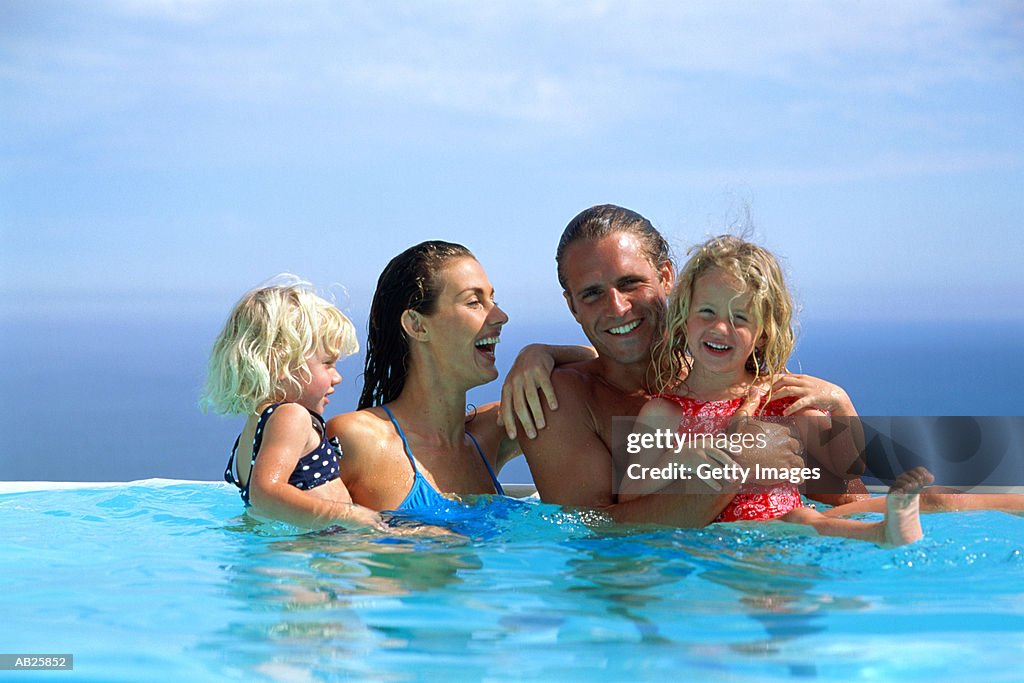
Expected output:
(169, 581)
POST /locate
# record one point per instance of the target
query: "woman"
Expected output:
(433, 329)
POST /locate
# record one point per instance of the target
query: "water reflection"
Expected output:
(350, 604)
(685, 594)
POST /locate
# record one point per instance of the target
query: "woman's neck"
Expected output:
(431, 410)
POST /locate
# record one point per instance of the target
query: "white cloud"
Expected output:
(178, 11)
(798, 39)
(884, 166)
(576, 66)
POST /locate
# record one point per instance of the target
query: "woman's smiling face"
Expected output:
(466, 323)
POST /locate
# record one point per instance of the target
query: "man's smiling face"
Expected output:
(617, 295)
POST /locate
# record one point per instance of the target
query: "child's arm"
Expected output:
(288, 435)
(828, 422)
(660, 415)
(656, 414)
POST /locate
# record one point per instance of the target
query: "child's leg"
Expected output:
(902, 523)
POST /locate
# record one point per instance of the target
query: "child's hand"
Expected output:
(425, 531)
(362, 516)
(813, 392)
(357, 515)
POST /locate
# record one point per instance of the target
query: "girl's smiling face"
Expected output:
(721, 329)
(323, 377)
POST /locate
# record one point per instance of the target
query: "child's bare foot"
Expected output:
(902, 513)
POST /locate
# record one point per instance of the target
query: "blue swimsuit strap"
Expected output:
(405, 443)
(494, 479)
(412, 461)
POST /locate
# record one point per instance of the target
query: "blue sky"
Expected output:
(171, 154)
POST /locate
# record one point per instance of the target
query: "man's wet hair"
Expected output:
(603, 220)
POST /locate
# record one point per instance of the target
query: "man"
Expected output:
(616, 275)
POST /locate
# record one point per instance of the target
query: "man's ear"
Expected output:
(668, 276)
(413, 325)
(569, 303)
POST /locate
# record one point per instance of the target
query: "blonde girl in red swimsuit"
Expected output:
(730, 333)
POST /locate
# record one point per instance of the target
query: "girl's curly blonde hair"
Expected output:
(262, 352)
(760, 275)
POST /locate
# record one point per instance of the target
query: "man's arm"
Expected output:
(652, 450)
(774, 444)
(569, 462)
(684, 504)
(696, 503)
(679, 501)
(572, 466)
(828, 423)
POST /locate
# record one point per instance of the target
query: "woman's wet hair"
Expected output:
(603, 220)
(410, 281)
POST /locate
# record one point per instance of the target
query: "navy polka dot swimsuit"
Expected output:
(317, 467)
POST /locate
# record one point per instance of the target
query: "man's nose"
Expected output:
(618, 302)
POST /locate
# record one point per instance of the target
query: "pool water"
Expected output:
(169, 581)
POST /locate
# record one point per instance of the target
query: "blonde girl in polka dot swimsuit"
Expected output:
(274, 362)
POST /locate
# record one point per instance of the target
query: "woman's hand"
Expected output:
(529, 377)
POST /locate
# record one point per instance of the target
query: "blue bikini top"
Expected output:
(422, 496)
(315, 468)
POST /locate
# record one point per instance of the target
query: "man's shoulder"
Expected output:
(584, 383)
(582, 373)
(576, 385)
(569, 457)
(574, 391)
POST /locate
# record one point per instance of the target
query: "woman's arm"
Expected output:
(528, 378)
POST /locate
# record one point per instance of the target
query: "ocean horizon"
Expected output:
(114, 397)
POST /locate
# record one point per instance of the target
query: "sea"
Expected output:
(111, 395)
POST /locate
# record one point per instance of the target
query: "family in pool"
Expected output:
(703, 351)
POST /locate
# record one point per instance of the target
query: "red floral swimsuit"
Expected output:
(753, 502)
